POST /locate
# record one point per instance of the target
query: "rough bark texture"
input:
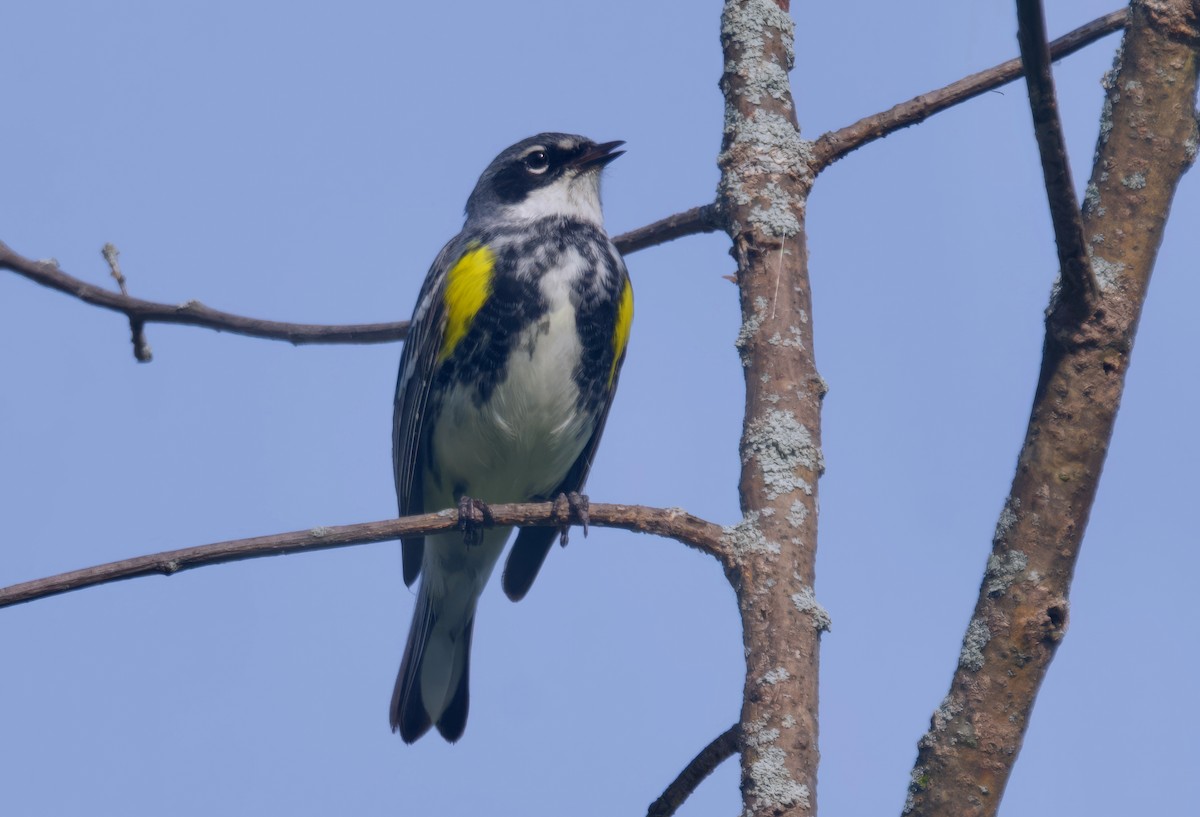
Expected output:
(1148, 139)
(765, 180)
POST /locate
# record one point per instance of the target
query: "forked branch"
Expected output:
(1078, 279)
(1147, 143)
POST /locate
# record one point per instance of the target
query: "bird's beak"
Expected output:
(598, 156)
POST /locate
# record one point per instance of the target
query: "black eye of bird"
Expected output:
(537, 161)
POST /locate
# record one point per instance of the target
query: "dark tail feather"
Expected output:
(412, 550)
(454, 720)
(525, 560)
(408, 715)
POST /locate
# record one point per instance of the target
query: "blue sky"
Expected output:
(296, 162)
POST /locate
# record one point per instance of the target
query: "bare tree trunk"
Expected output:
(1148, 139)
(765, 180)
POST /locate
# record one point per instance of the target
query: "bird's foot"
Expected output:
(567, 508)
(473, 516)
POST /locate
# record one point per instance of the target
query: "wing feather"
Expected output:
(417, 364)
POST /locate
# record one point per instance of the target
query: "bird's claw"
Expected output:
(473, 516)
(567, 508)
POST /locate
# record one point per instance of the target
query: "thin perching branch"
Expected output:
(836, 144)
(672, 523)
(1078, 279)
(722, 747)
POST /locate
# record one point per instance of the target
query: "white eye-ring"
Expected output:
(536, 161)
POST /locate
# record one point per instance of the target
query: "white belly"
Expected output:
(522, 442)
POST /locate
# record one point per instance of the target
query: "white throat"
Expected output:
(574, 196)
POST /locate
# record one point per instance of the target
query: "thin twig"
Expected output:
(702, 219)
(1078, 280)
(834, 145)
(137, 328)
(193, 313)
(723, 747)
(669, 522)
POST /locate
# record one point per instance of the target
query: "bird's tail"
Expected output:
(432, 684)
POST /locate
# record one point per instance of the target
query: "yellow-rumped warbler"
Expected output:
(505, 382)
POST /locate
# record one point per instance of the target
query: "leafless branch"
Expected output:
(705, 218)
(672, 523)
(702, 219)
(193, 313)
(1078, 280)
(1148, 141)
(137, 328)
(723, 747)
(836, 144)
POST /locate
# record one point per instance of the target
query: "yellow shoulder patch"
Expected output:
(621, 331)
(468, 286)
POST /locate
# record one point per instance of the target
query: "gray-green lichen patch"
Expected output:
(798, 512)
(1091, 200)
(1134, 181)
(319, 533)
(777, 218)
(775, 676)
(794, 340)
(746, 537)
(761, 79)
(946, 711)
(760, 144)
(1108, 273)
(750, 326)
(1002, 571)
(1112, 96)
(750, 24)
(1008, 518)
(918, 781)
(773, 137)
(771, 781)
(806, 602)
(977, 637)
(781, 446)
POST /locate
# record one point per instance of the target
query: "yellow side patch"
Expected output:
(621, 331)
(468, 286)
